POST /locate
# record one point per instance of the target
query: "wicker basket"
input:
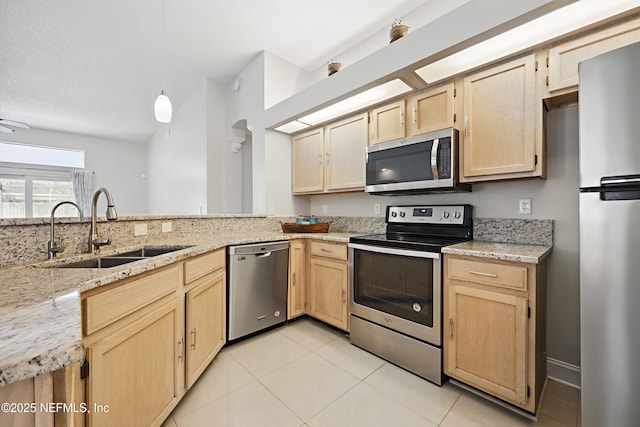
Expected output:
(292, 227)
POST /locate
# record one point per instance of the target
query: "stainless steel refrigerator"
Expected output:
(609, 99)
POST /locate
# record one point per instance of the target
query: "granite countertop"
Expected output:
(40, 316)
(531, 254)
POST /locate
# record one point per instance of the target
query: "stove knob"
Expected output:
(402, 214)
(456, 214)
(445, 214)
(394, 214)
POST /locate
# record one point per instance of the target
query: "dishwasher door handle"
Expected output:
(263, 255)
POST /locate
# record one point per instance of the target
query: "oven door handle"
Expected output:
(395, 251)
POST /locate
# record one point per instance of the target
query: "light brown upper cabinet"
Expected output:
(564, 58)
(332, 158)
(308, 162)
(345, 144)
(388, 122)
(432, 110)
(502, 136)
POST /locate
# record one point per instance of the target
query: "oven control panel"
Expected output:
(433, 214)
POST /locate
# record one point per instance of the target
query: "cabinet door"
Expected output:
(432, 110)
(205, 327)
(345, 143)
(564, 58)
(328, 292)
(297, 271)
(500, 120)
(133, 372)
(487, 341)
(308, 162)
(387, 123)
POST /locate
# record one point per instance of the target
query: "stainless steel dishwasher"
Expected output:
(258, 275)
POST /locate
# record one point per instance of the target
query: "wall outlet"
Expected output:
(525, 206)
(324, 209)
(140, 229)
(166, 227)
(376, 208)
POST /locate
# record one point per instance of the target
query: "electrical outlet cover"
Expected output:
(525, 207)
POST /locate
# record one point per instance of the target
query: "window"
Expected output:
(34, 179)
(34, 196)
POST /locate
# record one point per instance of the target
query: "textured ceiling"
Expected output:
(95, 67)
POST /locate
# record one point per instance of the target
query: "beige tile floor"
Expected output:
(307, 374)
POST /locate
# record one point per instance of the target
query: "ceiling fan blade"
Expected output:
(5, 129)
(6, 122)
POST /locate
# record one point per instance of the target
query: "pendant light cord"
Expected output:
(163, 50)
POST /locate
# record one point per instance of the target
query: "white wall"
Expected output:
(282, 79)
(118, 165)
(280, 201)
(554, 198)
(247, 104)
(177, 160)
(220, 169)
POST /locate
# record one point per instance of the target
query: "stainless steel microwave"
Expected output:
(422, 164)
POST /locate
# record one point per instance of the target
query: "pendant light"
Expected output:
(162, 107)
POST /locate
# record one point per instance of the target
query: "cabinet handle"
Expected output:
(479, 273)
(193, 339)
(181, 349)
(466, 125)
(413, 112)
(401, 118)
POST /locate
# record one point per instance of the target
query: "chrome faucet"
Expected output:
(94, 241)
(52, 247)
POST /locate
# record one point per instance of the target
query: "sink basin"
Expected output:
(151, 251)
(102, 262)
(122, 258)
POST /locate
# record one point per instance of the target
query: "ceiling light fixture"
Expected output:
(4, 126)
(162, 107)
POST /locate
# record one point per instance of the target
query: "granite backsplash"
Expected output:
(24, 241)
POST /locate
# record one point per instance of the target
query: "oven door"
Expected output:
(399, 289)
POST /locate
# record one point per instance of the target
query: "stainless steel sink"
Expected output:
(101, 262)
(119, 259)
(151, 251)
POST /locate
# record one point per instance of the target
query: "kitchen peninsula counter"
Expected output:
(40, 313)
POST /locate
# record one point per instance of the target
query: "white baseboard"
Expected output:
(563, 372)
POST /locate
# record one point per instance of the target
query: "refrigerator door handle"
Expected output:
(620, 180)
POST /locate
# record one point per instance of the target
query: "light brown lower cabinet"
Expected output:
(494, 335)
(328, 297)
(133, 376)
(25, 399)
(206, 324)
(147, 340)
(297, 278)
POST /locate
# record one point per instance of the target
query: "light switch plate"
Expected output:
(525, 207)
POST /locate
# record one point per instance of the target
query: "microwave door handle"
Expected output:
(434, 158)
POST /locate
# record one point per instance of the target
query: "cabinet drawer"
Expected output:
(488, 273)
(107, 307)
(202, 265)
(329, 250)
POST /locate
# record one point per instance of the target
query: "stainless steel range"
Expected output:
(396, 285)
